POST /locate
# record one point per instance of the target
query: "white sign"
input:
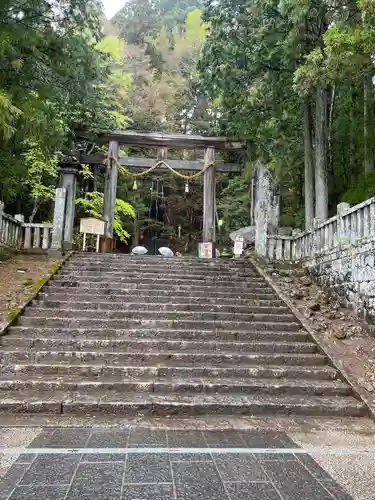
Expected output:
(238, 245)
(206, 250)
(90, 225)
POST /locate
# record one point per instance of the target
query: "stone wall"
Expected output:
(349, 274)
(340, 254)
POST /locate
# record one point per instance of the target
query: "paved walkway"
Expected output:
(138, 463)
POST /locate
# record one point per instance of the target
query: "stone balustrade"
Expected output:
(18, 235)
(10, 231)
(339, 253)
(351, 226)
(37, 237)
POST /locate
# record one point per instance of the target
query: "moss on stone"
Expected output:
(54, 269)
(14, 313)
(40, 284)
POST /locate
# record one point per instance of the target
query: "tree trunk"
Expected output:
(368, 123)
(35, 209)
(321, 157)
(330, 126)
(309, 167)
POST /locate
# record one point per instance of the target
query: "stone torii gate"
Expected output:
(64, 210)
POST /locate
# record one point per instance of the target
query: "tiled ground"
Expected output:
(140, 475)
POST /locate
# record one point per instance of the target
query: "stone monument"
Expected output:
(265, 206)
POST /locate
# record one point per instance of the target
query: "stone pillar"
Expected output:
(341, 231)
(58, 225)
(209, 190)
(266, 207)
(69, 183)
(110, 188)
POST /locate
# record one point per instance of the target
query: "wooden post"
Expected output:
(162, 154)
(110, 191)
(209, 189)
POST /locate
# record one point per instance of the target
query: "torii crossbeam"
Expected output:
(161, 141)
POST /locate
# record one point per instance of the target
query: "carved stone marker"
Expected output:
(58, 223)
(265, 206)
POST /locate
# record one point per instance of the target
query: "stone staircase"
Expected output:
(130, 335)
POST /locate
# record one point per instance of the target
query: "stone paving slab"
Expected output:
(149, 472)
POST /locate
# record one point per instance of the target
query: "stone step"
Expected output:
(153, 336)
(141, 314)
(313, 372)
(152, 345)
(195, 385)
(188, 405)
(203, 301)
(158, 307)
(157, 324)
(169, 358)
(161, 282)
(190, 262)
(144, 276)
(127, 267)
(165, 334)
(168, 292)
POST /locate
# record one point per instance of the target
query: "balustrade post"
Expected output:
(36, 240)
(45, 240)
(19, 229)
(341, 230)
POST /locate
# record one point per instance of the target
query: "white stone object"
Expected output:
(165, 252)
(139, 251)
(217, 253)
(205, 250)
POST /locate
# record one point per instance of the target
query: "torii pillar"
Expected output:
(209, 199)
(110, 193)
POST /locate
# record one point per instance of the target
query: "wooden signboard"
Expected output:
(90, 225)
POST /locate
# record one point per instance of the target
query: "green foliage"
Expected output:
(261, 63)
(363, 189)
(233, 203)
(92, 206)
(139, 19)
(52, 80)
(42, 171)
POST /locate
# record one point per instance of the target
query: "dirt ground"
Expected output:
(19, 276)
